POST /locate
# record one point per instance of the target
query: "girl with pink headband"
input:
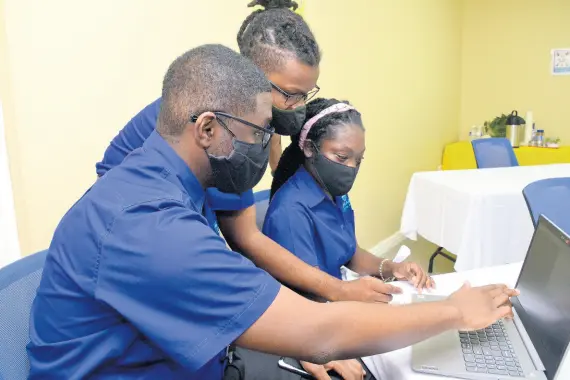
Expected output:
(310, 212)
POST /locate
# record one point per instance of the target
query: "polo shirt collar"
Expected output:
(186, 180)
(313, 193)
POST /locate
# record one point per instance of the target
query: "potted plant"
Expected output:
(552, 142)
(497, 127)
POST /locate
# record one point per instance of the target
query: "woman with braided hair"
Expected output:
(271, 37)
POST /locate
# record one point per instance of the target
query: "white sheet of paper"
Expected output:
(403, 253)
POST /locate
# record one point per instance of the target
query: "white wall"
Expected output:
(9, 245)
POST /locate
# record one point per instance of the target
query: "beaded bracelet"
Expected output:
(380, 272)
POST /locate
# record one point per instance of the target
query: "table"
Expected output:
(396, 365)
(460, 156)
(479, 215)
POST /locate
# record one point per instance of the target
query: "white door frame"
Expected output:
(9, 244)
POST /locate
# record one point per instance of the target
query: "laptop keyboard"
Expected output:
(490, 351)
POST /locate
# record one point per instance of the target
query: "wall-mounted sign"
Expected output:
(560, 62)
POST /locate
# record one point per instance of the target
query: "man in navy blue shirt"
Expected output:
(137, 285)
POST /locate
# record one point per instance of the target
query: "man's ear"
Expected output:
(205, 129)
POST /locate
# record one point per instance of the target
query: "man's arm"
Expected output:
(315, 335)
(241, 232)
(202, 296)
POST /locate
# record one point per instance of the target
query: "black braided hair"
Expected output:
(271, 36)
(325, 128)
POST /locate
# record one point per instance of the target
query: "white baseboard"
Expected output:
(388, 244)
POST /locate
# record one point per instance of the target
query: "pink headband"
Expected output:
(335, 108)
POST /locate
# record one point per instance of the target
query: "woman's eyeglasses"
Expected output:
(293, 99)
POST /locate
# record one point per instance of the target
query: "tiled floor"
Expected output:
(421, 252)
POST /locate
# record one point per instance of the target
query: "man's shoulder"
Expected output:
(122, 195)
(121, 214)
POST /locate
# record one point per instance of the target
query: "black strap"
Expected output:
(235, 366)
(230, 354)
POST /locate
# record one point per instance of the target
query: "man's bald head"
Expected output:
(208, 78)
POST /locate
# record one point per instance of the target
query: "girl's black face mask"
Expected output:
(336, 178)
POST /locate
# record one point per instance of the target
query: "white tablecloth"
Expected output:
(396, 365)
(479, 215)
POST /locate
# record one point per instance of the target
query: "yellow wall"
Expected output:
(399, 63)
(422, 72)
(78, 71)
(506, 58)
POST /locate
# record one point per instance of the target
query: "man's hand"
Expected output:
(413, 273)
(367, 289)
(482, 306)
(348, 369)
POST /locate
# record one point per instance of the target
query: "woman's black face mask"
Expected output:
(288, 122)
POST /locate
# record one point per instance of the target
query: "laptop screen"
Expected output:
(544, 303)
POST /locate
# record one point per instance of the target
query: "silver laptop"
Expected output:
(534, 345)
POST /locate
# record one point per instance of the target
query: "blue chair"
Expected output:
(494, 152)
(551, 198)
(261, 204)
(18, 284)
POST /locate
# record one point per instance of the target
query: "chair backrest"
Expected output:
(261, 205)
(551, 198)
(496, 152)
(19, 282)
